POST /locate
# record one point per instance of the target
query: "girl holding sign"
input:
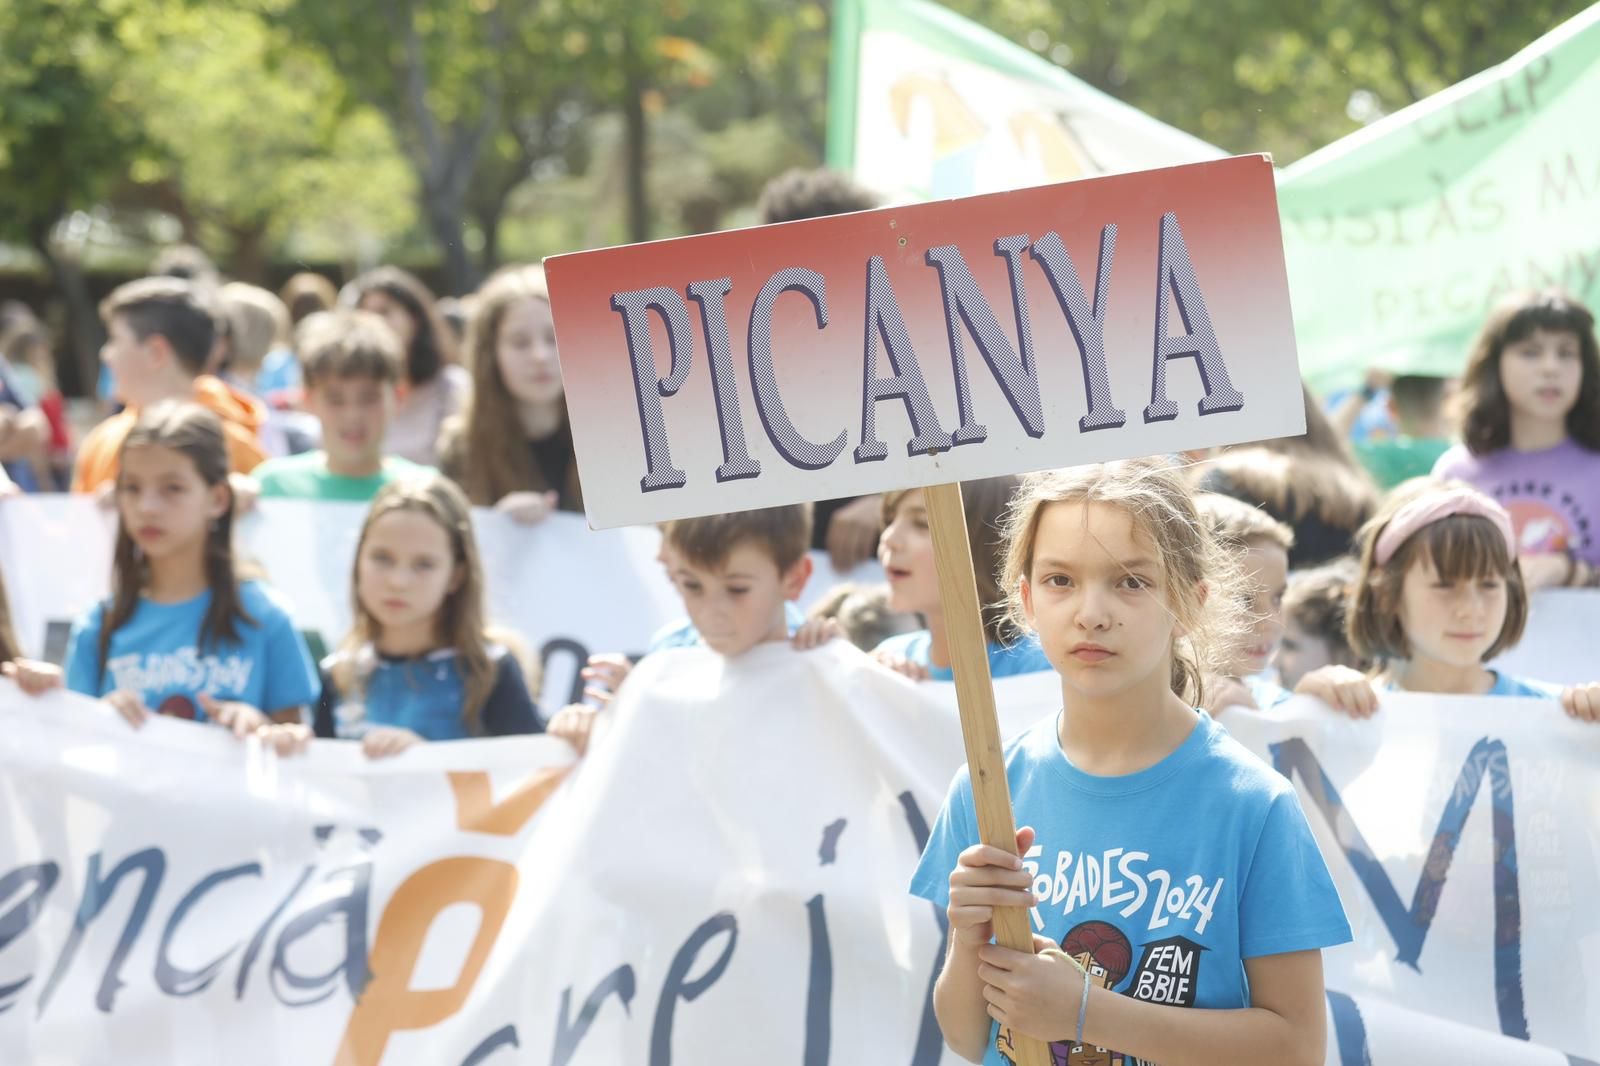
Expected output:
(1165, 865)
(1532, 432)
(420, 664)
(181, 634)
(1440, 592)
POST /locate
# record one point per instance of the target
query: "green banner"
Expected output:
(1400, 237)
(924, 104)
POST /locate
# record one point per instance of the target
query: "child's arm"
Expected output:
(1582, 701)
(237, 717)
(603, 675)
(527, 508)
(1040, 996)
(984, 878)
(32, 677)
(815, 633)
(129, 706)
(1342, 688)
(574, 723)
(384, 741)
(901, 665)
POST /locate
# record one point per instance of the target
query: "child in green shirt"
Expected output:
(1417, 402)
(350, 362)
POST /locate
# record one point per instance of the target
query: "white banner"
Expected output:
(1464, 836)
(565, 589)
(723, 880)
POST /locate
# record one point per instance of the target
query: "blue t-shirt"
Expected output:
(684, 635)
(1005, 660)
(1506, 685)
(425, 695)
(1161, 882)
(1266, 692)
(155, 655)
(279, 372)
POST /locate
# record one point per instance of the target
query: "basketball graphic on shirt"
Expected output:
(178, 705)
(1106, 956)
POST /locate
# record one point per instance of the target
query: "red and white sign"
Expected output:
(915, 345)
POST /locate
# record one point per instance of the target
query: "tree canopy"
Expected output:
(467, 134)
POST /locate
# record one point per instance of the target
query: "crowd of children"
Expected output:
(1160, 591)
(228, 393)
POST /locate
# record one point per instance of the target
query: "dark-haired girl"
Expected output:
(436, 388)
(181, 635)
(1531, 433)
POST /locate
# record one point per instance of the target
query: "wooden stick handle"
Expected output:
(980, 726)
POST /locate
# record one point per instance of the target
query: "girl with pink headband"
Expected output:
(1439, 594)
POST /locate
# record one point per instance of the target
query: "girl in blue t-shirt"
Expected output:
(1166, 868)
(419, 663)
(181, 635)
(905, 551)
(1439, 593)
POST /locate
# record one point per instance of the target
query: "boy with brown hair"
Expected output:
(159, 334)
(739, 575)
(350, 362)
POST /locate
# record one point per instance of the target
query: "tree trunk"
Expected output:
(636, 146)
(250, 253)
(488, 219)
(85, 334)
(447, 219)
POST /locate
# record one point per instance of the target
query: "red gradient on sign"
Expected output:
(1226, 210)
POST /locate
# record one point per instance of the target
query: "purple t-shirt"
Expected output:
(1553, 495)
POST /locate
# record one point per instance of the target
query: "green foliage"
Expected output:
(61, 148)
(1256, 75)
(252, 141)
(511, 128)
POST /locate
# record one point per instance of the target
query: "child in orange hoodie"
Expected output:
(160, 331)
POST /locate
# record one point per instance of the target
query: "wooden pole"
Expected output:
(980, 727)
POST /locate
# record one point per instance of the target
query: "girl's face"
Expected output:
(1266, 576)
(393, 312)
(1542, 373)
(906, 552)
(164, 503)
(1300, 652)
(406, 569)
(1451, 622)
(1097, 595)
(525, 349)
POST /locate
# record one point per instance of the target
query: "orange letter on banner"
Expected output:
(476, 811)
(389, 1004)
